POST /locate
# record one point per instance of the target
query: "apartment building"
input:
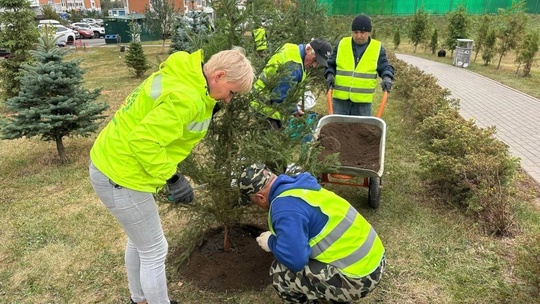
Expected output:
(138, 6)
(66, 5)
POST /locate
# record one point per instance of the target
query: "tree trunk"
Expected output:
(227, 238)
(527, 69)
(61, 150)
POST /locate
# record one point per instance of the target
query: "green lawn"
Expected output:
(61, 245)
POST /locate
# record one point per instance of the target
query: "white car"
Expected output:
(62, 35)
(98, 30)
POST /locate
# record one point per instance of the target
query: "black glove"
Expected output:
(330, 81)
(180, 190)
(386, 84)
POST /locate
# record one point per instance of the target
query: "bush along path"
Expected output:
(470, 171)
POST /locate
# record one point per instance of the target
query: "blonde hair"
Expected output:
(237, 67)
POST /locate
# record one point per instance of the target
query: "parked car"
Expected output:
(98, 30)
(84, 32)
(49, 21)
(98, 22)
(75, 32)
(62, 34)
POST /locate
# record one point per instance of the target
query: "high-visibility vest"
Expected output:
(356, 83)
(288, 53)
(259, 34)
(347, 241)
(157, 126)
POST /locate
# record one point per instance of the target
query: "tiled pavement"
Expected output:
(515, 115)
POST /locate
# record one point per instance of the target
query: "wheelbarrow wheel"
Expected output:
(374, 192)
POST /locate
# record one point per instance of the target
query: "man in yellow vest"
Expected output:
(323, 248)
(353, 68)
(260, 39)
(289, 63)
(138, 152)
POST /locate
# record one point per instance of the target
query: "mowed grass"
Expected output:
(61, 245)
(507, 73)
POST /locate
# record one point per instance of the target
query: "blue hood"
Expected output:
(301, 181)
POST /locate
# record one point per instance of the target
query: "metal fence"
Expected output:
(409, 7)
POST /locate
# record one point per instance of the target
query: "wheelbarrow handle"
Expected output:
(329, 101)
(381, 107)
(383, 104)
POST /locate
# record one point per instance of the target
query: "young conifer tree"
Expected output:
(52, 102)
(238, 136)
(135, 58)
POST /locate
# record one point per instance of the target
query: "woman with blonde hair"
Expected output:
(137, 154)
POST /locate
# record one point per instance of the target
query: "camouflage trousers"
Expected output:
(321, 281)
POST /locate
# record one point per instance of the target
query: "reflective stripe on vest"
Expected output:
(357, 84)
(289, 52)
(347, 241)
(194, 126)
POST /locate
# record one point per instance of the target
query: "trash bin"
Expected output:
(112, 38)
(462, 57)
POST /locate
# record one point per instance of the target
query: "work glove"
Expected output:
(180, 190)
(386, 84)
(262, 240)
(330, 81)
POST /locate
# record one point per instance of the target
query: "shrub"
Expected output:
(471, 167)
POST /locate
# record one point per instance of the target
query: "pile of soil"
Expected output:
(245, 267)
(358, 144)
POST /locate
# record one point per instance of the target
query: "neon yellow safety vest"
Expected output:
(357, 84)
(157, 126)
(288, 53)
(347, 241)
(259, 35)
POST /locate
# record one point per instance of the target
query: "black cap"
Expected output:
(322, 49)
(361, 23)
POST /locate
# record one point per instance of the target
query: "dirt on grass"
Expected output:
(245, 267)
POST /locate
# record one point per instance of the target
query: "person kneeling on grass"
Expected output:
(323, 248)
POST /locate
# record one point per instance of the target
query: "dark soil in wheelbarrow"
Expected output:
(245, 267)
(357, 143)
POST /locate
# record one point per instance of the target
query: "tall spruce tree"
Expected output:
(52, 102)
(19, 34)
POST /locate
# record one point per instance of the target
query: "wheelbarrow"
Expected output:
(345, 175)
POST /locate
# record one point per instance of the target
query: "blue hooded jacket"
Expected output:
(294, 221)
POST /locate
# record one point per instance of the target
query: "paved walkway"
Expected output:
(515, 115)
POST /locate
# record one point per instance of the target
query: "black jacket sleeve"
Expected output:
(384, 68)
(331, 63)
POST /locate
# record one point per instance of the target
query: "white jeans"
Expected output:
(146, 246)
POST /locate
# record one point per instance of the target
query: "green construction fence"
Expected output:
(120, 26)
(409, 7)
